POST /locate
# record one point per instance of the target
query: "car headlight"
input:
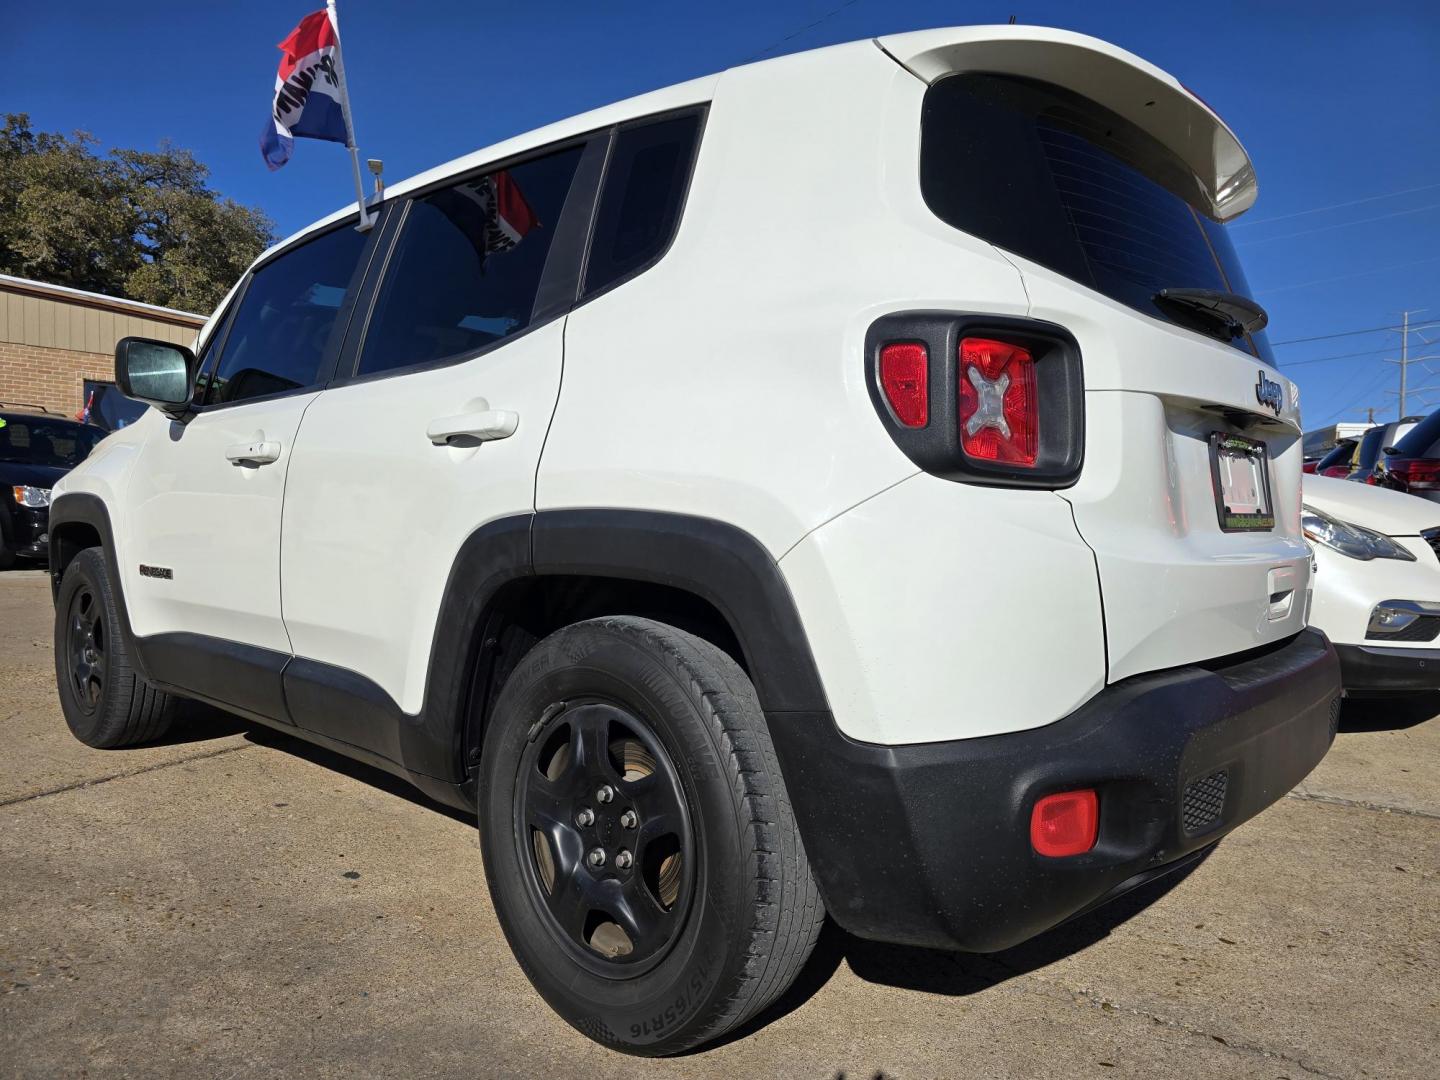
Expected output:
(33, 497)
(1350, 540)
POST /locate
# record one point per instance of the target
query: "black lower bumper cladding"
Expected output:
(1387, 671)
(929, 844)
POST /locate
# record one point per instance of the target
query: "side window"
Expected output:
(279, 332)
(467, 265)
(645, 186)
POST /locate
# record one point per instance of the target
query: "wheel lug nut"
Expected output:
(584, 817)
(597, 857)
(623, 860)
(629, 820)
(605, 794)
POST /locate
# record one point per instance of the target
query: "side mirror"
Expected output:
(156, 373)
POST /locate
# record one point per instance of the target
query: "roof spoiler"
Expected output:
(1112, 77)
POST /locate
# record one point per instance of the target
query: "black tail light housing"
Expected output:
(1014, 372)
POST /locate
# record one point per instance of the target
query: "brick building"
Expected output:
(57, 345)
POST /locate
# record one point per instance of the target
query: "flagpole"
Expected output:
(367, 219)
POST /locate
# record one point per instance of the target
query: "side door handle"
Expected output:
(253, 453)
(484, 426)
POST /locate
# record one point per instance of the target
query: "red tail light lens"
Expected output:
(905, 380)
(1337, 471)
(1308, 467)
(1066, 823)
(1416, 474)
(999, 408)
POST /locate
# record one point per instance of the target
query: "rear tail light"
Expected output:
(1308, 467)
(905, 378)
(980, 399)
(1066, 823)
(1337, 471)
(1415, 474)
(999, 411)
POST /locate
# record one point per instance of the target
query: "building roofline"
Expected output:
(9, 283)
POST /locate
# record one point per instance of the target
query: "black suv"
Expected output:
(37, 448)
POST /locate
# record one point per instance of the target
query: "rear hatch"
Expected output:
(1108, 185)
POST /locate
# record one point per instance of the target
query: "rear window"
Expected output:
(1421, 441)
(1055, 178)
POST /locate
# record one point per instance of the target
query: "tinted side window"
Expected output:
(645, 186)
(280, 330)
(467, 265)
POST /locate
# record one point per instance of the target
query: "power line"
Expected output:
(1339, 225)
(1335, 206)
(1347, 277)
(1338, 356)
(1349, 333)
(797, 33)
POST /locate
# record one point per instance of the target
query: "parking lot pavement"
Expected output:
(238, 903)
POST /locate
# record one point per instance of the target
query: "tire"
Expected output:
(7, 557)
(718, 909)
(106, 702)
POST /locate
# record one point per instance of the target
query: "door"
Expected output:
(202, 556)
(437, 431)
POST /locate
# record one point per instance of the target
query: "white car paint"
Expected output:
(1347, 590)
(728, 382)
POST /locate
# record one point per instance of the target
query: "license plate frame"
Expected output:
(1240, 476)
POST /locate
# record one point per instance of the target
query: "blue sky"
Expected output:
(1337, 103)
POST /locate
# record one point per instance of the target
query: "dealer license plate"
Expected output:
(1240, 468)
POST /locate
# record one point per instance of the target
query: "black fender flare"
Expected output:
(721, 564)
(84, 508)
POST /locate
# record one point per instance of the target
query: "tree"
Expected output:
(134, 223)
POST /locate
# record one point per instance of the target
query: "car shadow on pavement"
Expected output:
(926, 970)
(951, 974)
(366, 774)
(1388, 714)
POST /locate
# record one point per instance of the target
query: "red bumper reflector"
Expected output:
(1065, 823)
(904, 377)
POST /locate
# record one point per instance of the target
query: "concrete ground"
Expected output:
(236, 903)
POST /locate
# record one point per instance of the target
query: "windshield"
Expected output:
(33, 440)
(1058, 179)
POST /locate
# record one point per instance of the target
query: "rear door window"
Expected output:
(645, 186)
(282, 329)
(467, 266)
(1059, 180)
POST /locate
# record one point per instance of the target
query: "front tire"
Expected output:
(638, 840)
(107, 704)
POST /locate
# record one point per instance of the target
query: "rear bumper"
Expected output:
(1384, 671)
(929, 844)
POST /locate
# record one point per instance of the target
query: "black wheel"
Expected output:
(106, 703)
(7, 557)
(638, 840)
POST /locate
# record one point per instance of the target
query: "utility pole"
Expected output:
(1406, 391)
(1404, 357)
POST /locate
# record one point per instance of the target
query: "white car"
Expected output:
(854, 483)
(1377, 584)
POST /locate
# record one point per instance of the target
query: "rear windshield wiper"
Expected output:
(1220, 314)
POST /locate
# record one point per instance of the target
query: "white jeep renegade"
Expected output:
(852, 484)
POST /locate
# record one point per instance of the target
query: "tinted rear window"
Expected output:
(1059, 180)
(1423, 440)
